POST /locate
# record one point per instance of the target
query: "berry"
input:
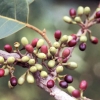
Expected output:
(24, 41)
(29, 48)
(30, 78)
(68, 78)
(80, 10)
(39, 67)
(2, 72)
(65, 53)
(63, 84)
(34, 42)
(10, 60)
(72, 43)
(51, 63)
(50, 84)
(82, 46)
(13, 81)
(57, 34)
(40, 43)
(41, 55)
(72, 12)
(74, 36)
(83, 85)
(76, 93)
(67, 19)
(94, 40)
(25, 59)
(43, 74)
(97, 14)
(83, 38)
(87, 10)
(59, 69)
(44, 49)
(8, 48)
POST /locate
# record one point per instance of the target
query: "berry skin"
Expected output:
(94, 40)
(72, 43)
(34, 42)
(63, 84)
(50, 84)
(76, 93)
(57, 34)
(82, 46)
(65, 53)
(44, 49)
(29, 48)
(74, 36)
(68, 78)
(72, 12)
(13, 81)
(97, 14)
(2, 72)
(83, 85)
(8, 48)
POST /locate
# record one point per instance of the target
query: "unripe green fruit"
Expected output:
(43, 74)
(78, 19)
(6, 71)
(64, 38)
(25, 59)
(31, 61)
(80, 10)
(67, 19)
(49, 54)
(70, 89)
(41, 55)
(33, 69)
(51, 63)
(24, 41)
(98, 9)
(71, 65)
(9, 85)
(69, 38)
(53, 50)
(87, 10)
(39, 67)
(21, 80)
(30, 78)
(10, 60)
(83, 38)
(1, 60)
(59, 69)
(40, 43)
(56, 45)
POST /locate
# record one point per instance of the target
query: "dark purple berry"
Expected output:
(13, 81)
(82, 46)
(72, 43)
(97, 14)
(76, 93)
(50, 84)
(44, 49)
(34, 42)
(68, 78)
(8, 48)
(29, 48)
(57, 34)
(63, 84)
(72, 12)
(65, 53)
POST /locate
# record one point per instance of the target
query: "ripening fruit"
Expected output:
(59, 69)
(80, 11)
(43, 74)
(51, 63)
(67, 19)
(57, 34)
(33, 69)
(82, 46)
(74, 36)
(34, 42)
(68, 78)
(31, 61)
(13, 81)
(63, 84)
(8, 48)
(87, 10)
(25, 59)
(76, 93)
(72, 12)
(70, 38)
(39, 67)
(24, 41)
(70, 89)
(56, 45)
(83, 85)
(94, 40)
(2, 72)
(53, 50)
(64, 38)
(30, 78)
(21, 79)
(83, 38)
(65, 53)
(1, 60)
(72, 43)
(10, 60)
(42, 55)
(29, 48)
(50, 84)
(97, 15)
(44, 49)
(40, 43)
(6, 71)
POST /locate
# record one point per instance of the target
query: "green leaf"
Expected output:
(29, 1)
(9, 26)
(16, 9)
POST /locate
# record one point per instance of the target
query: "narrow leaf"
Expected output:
(29, 1)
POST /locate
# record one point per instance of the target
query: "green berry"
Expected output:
(59, 69)
(87, 10)
(69, 38)
(25, 59)
(80, 11)
(83, 38)
(64, 38)
(43, 74)
(10, 60)
(24, 41)
(51, 63)
(78, 19)
(1, 60)
(6, 72)
(30, 78)
(70, 89)
(40, 43)
(33, 69)
(56, 45)
(21, 80)
(67, 19)
(31, 61)
(39, 67)
(98, 9)
(53, 50)
(9, 85)
(42, 55)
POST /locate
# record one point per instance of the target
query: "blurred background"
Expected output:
(48, 14)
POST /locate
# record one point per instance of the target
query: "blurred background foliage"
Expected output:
(48, 14)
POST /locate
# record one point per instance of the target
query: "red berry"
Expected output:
(97, 14)
(94, 40)
(44, 49)
(76, 93)
(8, 48)
(83, 85)
(63, 84)
(57, 34)
(72, 12)
(29, 48)
(72, 43)
(65, 60)
(82, 46)
(68, 78)
(34, 42)
(50, 84)
(74, 36)
(65, 53)
(13, 81)
(2, 72)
